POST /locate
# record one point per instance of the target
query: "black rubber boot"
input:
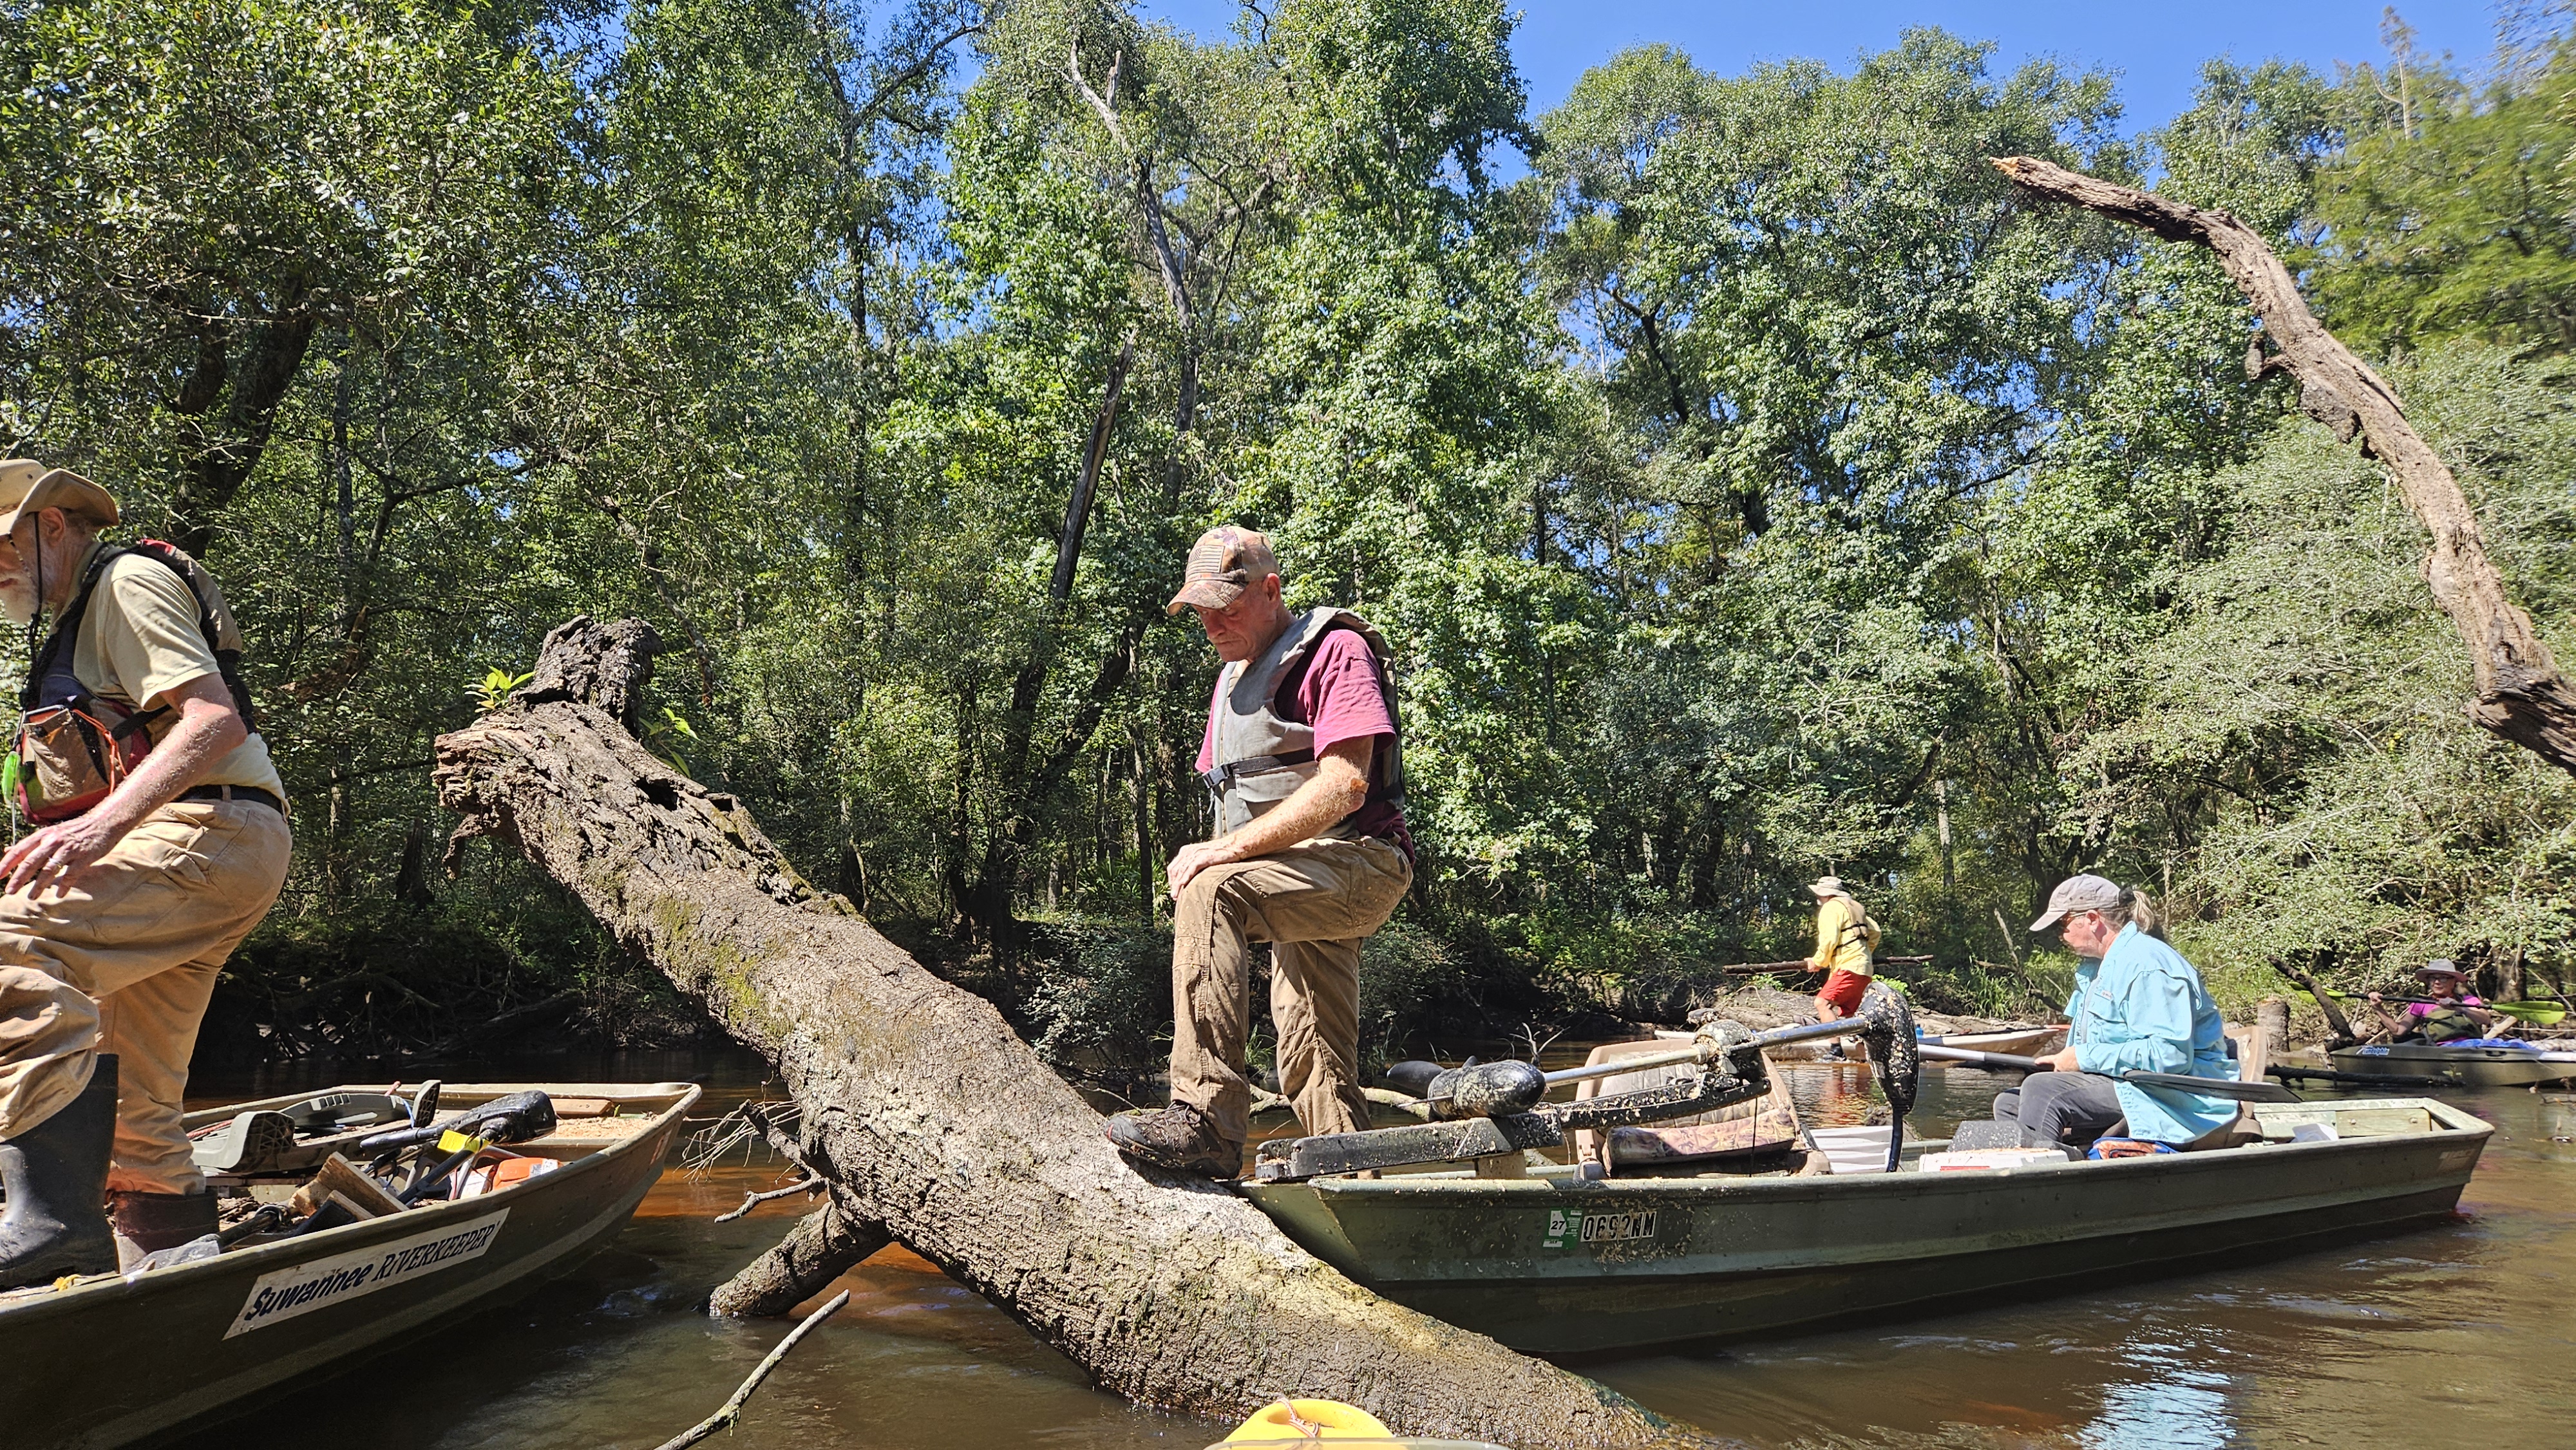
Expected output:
(55, 1174)
(1178, 1137)
(150, 1222)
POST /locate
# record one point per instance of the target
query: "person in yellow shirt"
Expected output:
(1845, 940)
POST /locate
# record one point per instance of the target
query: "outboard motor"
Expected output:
(1889, 1039)
(1475, 1090)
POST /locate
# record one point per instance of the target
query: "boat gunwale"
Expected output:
(1560, 1180)
(97, 1290)
(2443, 1052)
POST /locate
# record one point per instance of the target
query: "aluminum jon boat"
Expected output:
(1558, 1263)
(2467, 1066)
(110, 1360)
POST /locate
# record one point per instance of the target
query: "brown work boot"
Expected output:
(1178, 1137)
(147, 1223)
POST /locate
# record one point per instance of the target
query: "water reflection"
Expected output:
(2457, 1334)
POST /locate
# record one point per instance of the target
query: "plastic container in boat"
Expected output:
(1853, 1150)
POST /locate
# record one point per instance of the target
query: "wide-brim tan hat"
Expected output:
(27, 486)
(1825, 886)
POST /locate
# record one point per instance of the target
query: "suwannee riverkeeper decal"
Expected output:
(282, 1295)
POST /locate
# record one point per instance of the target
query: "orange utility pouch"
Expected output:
(70, 756)
(74, 747)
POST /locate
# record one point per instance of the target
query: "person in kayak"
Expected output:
(2453, 1014)
(2137, 1006)
(158, 840)
(1304, 758)
(1846, 943)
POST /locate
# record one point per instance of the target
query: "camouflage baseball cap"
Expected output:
(1223, 563)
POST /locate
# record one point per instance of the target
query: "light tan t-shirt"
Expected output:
(140, 639)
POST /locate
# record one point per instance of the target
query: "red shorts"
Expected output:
(1843, 989)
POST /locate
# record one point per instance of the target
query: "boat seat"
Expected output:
(1758, 1125)
(2236, 1132)
(1976, 1135)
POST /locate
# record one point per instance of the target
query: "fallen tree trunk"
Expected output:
(2521, 695)
(920, 1103)
(824, 1245)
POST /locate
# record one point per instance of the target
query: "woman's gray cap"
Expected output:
(2440, 967)
(2078, 893)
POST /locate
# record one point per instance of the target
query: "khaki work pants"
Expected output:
(124, 962)
(1314, 903)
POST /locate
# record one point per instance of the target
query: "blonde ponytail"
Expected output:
(2137, 909)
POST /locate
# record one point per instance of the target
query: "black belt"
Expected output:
(234, 793)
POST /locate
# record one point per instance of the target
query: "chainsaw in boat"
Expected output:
(1694, 1203)
(352, 1220)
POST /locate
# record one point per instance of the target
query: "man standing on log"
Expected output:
(1312, 855)
(160, 840)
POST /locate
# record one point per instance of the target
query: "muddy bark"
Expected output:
(2521, 695)
(823, 1246)
(920, 1103)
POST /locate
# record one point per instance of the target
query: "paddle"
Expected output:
(2215, 1087)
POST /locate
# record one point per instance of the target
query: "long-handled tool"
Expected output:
(514, 1118)
(1484, 1109)
(2215, 1087)
(2358, 1079)
(1481, 1089)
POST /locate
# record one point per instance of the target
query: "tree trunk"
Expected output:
(824, 1245)
(2521, 695)
(920, 1103)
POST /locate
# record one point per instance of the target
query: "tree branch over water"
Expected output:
(2521, 694)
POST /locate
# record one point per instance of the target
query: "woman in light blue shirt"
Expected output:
(2138, 1006)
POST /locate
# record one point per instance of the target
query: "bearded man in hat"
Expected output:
(1846, 945)
(1305, 762)
(160, 840)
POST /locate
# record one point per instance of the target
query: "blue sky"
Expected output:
(2157, 47)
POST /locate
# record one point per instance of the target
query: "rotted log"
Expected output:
(924, 1110)
(2521, 695)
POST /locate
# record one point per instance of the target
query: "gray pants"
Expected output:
(2069, 1109)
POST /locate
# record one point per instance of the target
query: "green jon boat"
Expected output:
(111, 1360)
(1558, 1262)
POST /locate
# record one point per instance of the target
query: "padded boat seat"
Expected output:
(1761, 1125)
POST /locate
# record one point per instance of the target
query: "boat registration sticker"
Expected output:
(320, 1283)
(1598, 1228)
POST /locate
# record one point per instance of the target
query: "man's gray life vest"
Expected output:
(1260, 757)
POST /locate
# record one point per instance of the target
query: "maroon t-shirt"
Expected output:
(1338, 695)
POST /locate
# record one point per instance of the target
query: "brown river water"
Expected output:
(2460, 1334)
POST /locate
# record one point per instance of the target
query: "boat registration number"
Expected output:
(1599, 1228)
(319, 1283)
